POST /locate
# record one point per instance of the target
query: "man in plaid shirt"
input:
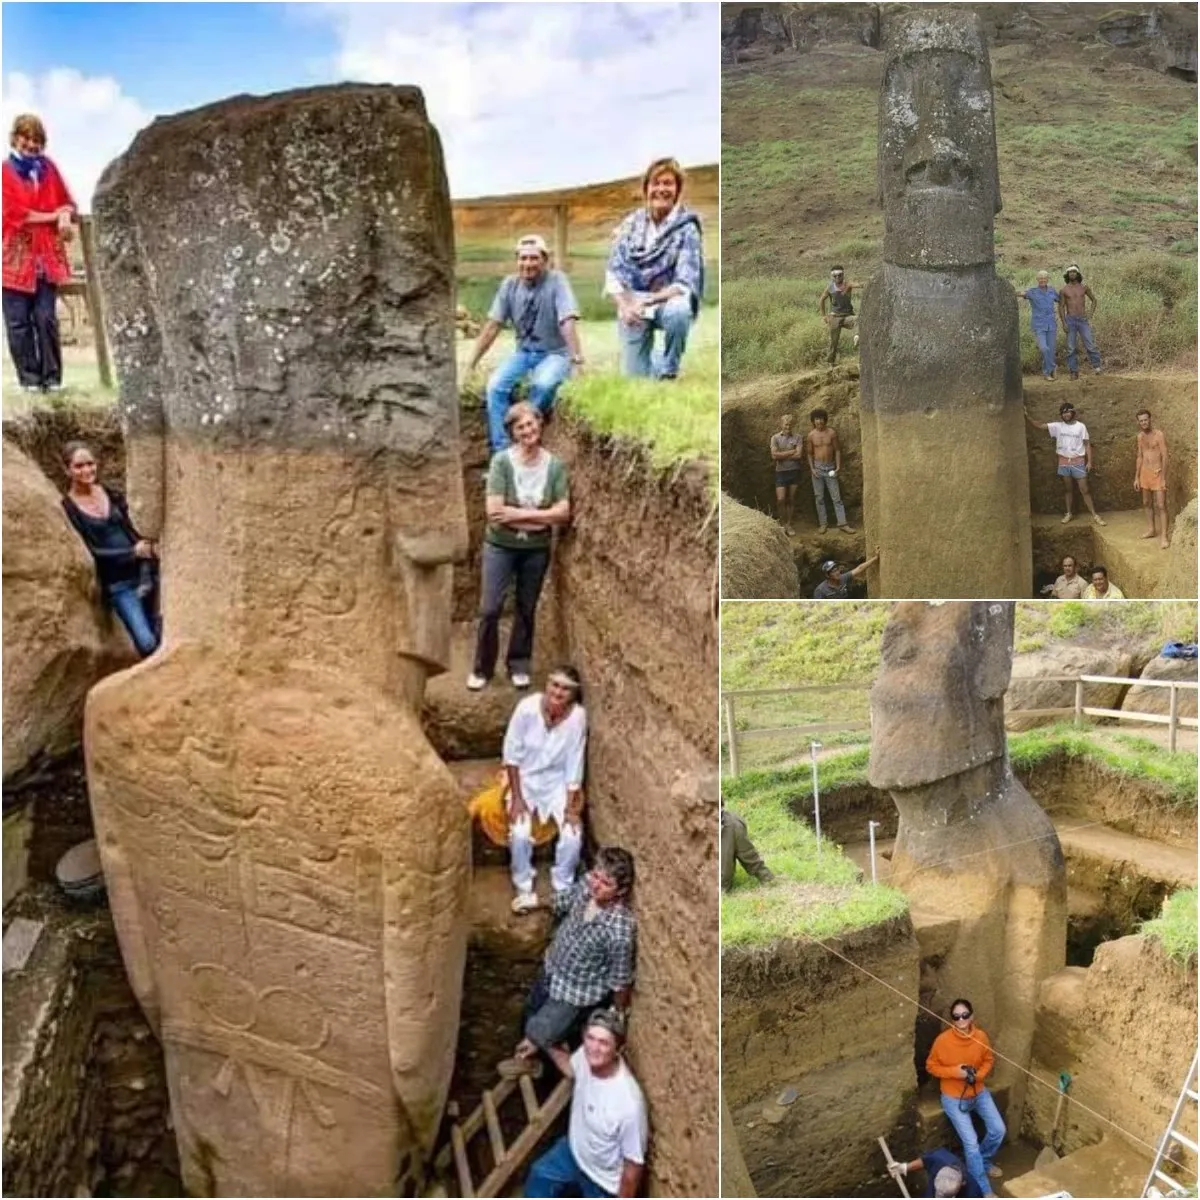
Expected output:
(590, 958)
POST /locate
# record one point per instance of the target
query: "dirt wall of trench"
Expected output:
(1063, 785)
(1125, 1030)
(631, 599)
(1106, 405)
(817, 1059)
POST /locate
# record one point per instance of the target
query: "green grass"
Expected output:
(677, 420)
(1146, 319)
(780, 644)
(1136, 758)
(810, 896)
(1176, 927)
(1097, 168)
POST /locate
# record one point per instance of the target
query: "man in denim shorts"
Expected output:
(1074, 456)
(590, 959)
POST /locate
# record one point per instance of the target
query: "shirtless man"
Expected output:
(1076, 318)
(839, 295)
(787, 452)
(1150, 477)
(825, 457)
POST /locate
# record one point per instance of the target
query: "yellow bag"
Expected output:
(490, 809)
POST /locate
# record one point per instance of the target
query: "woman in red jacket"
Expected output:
(38, 212)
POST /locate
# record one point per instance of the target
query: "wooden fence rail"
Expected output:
(1172, 719)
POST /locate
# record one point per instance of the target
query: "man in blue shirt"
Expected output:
(541, 307)
(1043, 320)
(946, 1174)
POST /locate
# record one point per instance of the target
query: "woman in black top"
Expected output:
(125, 561)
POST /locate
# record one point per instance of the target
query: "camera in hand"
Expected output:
(970, 1073)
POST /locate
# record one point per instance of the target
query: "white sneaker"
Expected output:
(524, 902)
(519, 680)
(476, 683)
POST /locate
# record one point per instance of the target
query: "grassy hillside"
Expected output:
(1097, 166)
(767, 644)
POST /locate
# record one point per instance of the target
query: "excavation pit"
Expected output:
(802, 1025)
(629, 602)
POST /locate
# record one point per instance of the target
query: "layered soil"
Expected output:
(1124, 1030)
(633, 598)
(630, 600)
(817, 1059)
(750, 414)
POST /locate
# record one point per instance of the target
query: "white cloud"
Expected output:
(530, 96)
(88, 119)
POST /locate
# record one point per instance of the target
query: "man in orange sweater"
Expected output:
(961, 1057)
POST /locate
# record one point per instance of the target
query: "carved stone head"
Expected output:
(937, 705)
(939, 183)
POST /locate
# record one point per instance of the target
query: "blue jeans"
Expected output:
(979, 1157)
(1047, 340)
(546, 370)
(674, 318)
(822, 479)
(1079, 327)
(557, 1171)
(137, 615)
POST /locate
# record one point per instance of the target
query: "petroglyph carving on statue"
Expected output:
(284, 851)
(976, 855)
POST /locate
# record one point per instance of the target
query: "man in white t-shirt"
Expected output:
(544, 750)
(1074, 456)
(604, 1151)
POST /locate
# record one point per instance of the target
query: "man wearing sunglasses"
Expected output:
(961, 1058)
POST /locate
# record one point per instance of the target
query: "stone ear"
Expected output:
(993, 624)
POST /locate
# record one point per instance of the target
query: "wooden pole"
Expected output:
(887, 1154)
(561, 222)
(1173, 727)
(731, 734)
(1079, 702)
(95, 301)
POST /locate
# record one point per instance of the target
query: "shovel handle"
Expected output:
(887, 1154)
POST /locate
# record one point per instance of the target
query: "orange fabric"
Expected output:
(490, 809)
(23, 243)
(950, 1051)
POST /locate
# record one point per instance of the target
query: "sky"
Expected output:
(525, 96)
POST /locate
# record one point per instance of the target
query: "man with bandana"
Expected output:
(1076, 319)
(540, 306)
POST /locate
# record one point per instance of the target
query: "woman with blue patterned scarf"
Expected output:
(656, 274)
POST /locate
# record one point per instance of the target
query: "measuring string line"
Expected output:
(1132, 1137)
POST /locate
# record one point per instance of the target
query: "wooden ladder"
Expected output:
(505, 1159)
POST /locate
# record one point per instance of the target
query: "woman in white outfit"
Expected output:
(544, 750)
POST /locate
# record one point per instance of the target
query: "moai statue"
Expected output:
(976, 855)
(945, 474)
(286, 856)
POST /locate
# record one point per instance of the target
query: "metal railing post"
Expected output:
(1173, 727)
(813, 747)
(731, 734)
(1079, 702)
(871, 826)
